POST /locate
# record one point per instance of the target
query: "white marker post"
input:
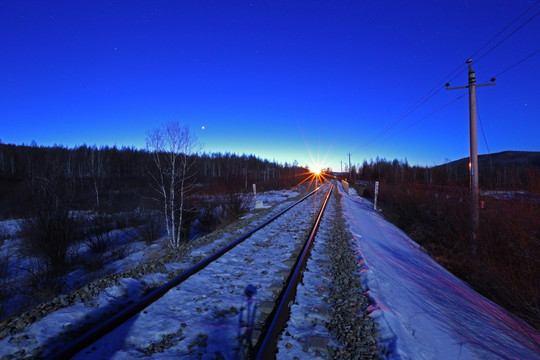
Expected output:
(255, 192)
(376, 193)
(258, 204)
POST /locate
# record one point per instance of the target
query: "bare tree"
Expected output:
(173, 148)
(95, 165)
(52, 228)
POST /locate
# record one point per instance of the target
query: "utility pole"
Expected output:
(350, 166)
(473, 161)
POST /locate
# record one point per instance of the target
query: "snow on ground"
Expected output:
(271, 198)
(423, 311)
(208, 308)
(114, 297)
(9, 227)
(136, 252)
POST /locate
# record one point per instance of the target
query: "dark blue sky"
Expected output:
(270, 78)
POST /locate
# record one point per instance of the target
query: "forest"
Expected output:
(509, 170)
(113, 179)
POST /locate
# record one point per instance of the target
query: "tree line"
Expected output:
(19, 162)
(121, 177)
(493, 176)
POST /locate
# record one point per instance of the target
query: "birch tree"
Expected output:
(95, 165)
(173, 150)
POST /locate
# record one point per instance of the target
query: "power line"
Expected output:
(496, 76)
(421, 119)
(482, 127)
(504, 29)
(507, 36)
(483, 133)
(508, 68)
(415, 106)
(517, 63)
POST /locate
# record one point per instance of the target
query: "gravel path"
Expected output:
(329, 317)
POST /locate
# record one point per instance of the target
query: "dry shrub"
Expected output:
(49, 235)
(207, 220)
(52, 227)
(94, 264)
(100, 233)
(508, 250)
(41, 284)
(146, 226)
(46, 284)
(233, 206)
(6, 284)
(127, 219)
(5, 234)
(220, 210)
(120, 251)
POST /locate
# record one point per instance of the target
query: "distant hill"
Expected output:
(504, 159)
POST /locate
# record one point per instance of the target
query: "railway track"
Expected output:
(207, 312)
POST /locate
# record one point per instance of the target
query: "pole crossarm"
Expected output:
(490, 84)
(466, 87)
(456, 88)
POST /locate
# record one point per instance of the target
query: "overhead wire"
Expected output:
(430, 94)
(504, 29)
(483, 134)
(478, 108)
(517, 63)
(507, 36)
(437, 88)
(421, 119)
(508, 68)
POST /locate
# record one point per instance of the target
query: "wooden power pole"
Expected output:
(350, 173)
(473, 161)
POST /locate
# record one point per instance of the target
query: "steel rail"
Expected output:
(266, 345)
(118, 319)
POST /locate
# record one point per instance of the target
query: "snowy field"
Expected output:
(123, 255)
(52, 326)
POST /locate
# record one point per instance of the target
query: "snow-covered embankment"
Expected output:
(423, 311)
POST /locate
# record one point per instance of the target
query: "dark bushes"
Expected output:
(99, 233)
(233, 206)
(147, 226)
(52, 228)
(221, 210)
(207, 220)
(508, 241)
(4, 234)
(6, 284)
(48, 236)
